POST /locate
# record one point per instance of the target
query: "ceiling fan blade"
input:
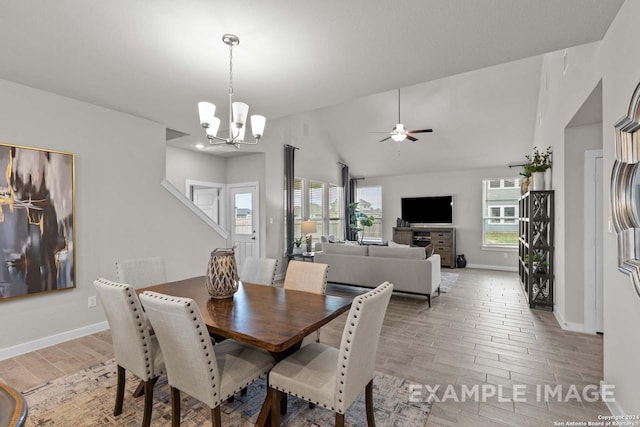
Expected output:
(420, 131)
(410, 138)
(383, 140)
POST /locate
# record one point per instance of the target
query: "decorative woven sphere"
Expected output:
(222, 274)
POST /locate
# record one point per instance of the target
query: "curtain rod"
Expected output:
(517, 164)
(287, 145)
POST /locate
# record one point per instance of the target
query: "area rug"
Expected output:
(87, 398)
(447, 280)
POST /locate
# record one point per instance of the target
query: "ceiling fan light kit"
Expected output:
(238, 112)
(399, 133)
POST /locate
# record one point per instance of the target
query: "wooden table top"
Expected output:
(265, 316)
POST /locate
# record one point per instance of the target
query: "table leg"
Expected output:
(264, 417)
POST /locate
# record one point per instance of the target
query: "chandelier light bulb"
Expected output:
(212, 130)
(257, 125)
(240, 111)
(207, 112)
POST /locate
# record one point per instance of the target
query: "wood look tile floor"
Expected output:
(480, 333)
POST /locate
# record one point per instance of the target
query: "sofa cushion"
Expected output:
(328, 239)
(391, 252)
(345, 249)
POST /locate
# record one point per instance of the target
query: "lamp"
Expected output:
(399, 133)
(238, 112)
(308, 227)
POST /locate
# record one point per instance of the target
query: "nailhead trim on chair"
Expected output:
(273, 276)
(206, 348)
(143, 337)
(358, 300)
(303, 397)
(197, 326)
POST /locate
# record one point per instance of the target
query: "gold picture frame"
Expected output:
(37, 221)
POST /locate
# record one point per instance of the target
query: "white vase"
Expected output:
(538, 181)
(547, 179)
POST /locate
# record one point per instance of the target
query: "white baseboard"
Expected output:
(30, 346)
(570, 326)
(493, 267)
(614, 408)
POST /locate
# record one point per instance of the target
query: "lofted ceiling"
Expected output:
(157, 59)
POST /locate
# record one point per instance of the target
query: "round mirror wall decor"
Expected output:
(625, 190)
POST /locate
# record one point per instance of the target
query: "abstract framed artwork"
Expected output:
(37, 215)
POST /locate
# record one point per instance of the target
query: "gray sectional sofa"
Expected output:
(406, 267)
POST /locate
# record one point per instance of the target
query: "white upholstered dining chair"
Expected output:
(259, 270)
(331, 377)
(135, 347)
(208, 371)
(307, 277)
(141, 272)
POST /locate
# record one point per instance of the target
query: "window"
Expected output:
(370, 204)
(509, 212)
(319, 202)
(336, 211)
(298, 185)
(500, 212)
(316, 207)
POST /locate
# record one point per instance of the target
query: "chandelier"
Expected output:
(238, 112)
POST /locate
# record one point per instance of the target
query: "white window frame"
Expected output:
(488, 219)
(502, 218)
(305, 210)
(369, 238)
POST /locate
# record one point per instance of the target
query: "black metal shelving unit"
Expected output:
(536, 247)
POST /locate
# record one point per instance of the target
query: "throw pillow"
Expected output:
(429, 250)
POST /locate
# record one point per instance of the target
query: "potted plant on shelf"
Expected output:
(538, 266)
(297, 243)
(537, 164)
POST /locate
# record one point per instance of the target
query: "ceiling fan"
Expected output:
(399, 133)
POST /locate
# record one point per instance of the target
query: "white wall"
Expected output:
(620, 64)
(616, 61)
(186, 164)
(466, 188)
(121, 209)
(562, 93)
(578, 139)
(315, 159)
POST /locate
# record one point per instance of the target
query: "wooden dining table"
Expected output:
(267, 317)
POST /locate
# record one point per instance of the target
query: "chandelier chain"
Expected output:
(230, 69)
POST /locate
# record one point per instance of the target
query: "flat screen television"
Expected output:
(428, 210)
